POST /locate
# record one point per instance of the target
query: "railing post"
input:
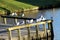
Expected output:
(45, 30)
(50, 26)
(16, 20)
(25, 21)
(28, 33)
(10, 35)
(37, 30)
(19, 34)
(5, 21)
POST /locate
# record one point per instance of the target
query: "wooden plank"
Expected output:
(49, 26)
(19, 34)
(28, 33)
(37, 30)
(5, 21)
(27, 25)
(16, 20)
(9, 35)
(45, 30)
(16, 17)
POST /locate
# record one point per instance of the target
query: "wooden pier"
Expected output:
(25, 32)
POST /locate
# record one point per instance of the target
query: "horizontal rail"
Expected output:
(16, 17)
(29, 25)
(3, 31)
(49, 22)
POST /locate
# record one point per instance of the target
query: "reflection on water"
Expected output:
(31, 14)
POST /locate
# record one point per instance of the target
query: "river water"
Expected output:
(55, 13)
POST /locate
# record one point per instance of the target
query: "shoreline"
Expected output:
(34, 8)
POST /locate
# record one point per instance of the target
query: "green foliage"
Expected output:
(13, 5)
(38, 2)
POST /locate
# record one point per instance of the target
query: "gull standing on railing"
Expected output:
(23, 15)
(18, 23)
(14, 14)
(29, 21)
(22, 22)
(41, 18)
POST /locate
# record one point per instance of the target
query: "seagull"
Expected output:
(29, 21)
(20, 23)
(41, 18)
(38, 20)
(14, 14)
(22, 15)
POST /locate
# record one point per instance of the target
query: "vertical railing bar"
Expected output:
(51, 29)
(25, 21)
(37, 30)
(28, 33)
(45, 30)
(19, 34)
(5, 21)
(16, 21)
(49, 26)
(10, 35)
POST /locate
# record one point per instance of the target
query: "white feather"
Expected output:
(22, 22)
(31, 21)
(17, 23)
(22, 15)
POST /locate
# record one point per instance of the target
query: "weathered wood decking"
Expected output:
(17, 33)
(23, 35)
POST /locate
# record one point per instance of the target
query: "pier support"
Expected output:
(16, 21)
(19, 34)
(9, 35)
(5, 21)
(28, 28)
(37, 30)
(50, 27)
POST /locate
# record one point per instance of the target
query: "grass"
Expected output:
(12, 5)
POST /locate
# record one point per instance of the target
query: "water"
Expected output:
(55, 13)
